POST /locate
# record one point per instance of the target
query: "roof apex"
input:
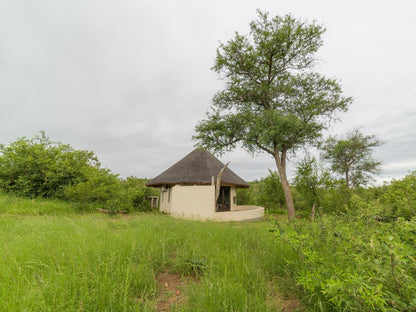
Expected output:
(198, 167)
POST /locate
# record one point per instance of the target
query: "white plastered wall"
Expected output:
(165, 201)
(198, 202)
(233, 197)
(193, 201)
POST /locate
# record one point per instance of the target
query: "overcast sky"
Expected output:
(129, 79)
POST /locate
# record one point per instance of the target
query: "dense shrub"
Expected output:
(98, 186)
(267, 192)
(39, 167)
(400, 197)
(354, 263)
(136, 191)
(387, 202)
(270, 192)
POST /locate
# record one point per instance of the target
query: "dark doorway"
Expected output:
(223, 202)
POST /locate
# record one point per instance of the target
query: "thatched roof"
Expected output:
(198, 167)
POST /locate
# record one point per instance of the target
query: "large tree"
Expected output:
(351, 156)
(272, 101)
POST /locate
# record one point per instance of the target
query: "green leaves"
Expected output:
(352, 156)
(400, 197)
(39, 167)
(272, 101)
(353, 264)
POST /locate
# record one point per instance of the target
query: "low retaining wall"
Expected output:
(241, 213)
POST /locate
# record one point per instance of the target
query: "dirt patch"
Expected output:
(170, 291)
(279, 302)
(289, 304)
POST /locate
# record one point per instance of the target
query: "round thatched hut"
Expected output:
(199, 186)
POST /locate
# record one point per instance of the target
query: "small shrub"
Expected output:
(352, 263)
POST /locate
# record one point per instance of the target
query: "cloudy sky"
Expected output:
(129, 79)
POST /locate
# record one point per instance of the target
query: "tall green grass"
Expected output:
(11, 204)
(70, 262)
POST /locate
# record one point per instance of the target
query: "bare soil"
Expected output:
(277, 301)
(171, 294)
(170, 291)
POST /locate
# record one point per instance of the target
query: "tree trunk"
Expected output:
(347, 182)
(312, 218)
(281, 167)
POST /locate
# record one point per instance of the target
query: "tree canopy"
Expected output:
(352, 156)
(272, 101)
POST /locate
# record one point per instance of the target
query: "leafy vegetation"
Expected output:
(93, 262)
(273, 101)
(352, 157)
(41, 168)
(399, 198)
(56, 260)
(311, 181)
(358, 254)
(354, 263)
(267, 192)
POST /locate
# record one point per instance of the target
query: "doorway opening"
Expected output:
(223, 201)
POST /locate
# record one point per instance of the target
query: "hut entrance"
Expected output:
(223, 201)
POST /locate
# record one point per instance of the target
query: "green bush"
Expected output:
(39, 167)
(267, 192)
(136, 191)
(99, 187)
(353, 263)
(400, 198)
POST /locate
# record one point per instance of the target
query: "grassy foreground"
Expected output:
(53, 260)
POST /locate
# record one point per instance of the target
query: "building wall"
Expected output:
(241, 213)
(198, 202)
(193, 201)
(166, 200)
(233, 198)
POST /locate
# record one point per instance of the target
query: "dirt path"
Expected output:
(170, 291)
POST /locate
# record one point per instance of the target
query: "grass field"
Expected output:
(55, 260)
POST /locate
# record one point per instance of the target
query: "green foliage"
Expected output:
(313, 184)
(39, 167)
(95, 263)
(108, 191)
(99, 186)
(354, 264)
(352, 157)
(272, 102)
(270, 192)
(386, 203)
(311, 181)
(400, 197)
(137, 193)
(248, 196)
(267, 192)
(349, 262)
